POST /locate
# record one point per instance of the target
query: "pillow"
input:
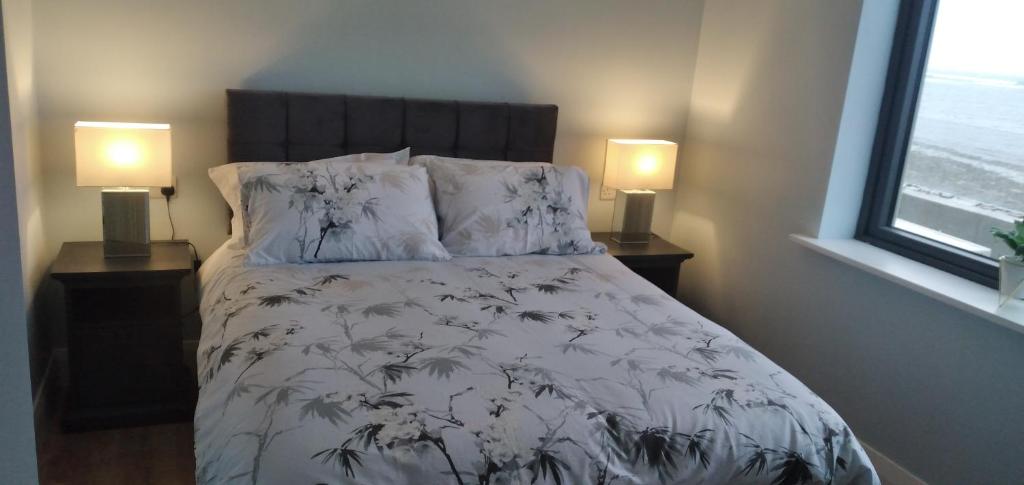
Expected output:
(321, 212)
(511, 208)
(225, 177)
(401, 157)
(423, 160)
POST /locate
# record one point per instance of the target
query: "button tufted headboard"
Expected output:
(279, 126)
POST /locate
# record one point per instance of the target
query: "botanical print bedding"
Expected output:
(529, 369)
(337, 211)
(492, 208)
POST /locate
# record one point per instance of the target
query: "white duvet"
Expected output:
(529, 369)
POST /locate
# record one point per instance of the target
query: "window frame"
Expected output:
(903, 84)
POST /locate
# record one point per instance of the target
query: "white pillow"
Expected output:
(492, 208)
(225, 177)
(321, 212)
(423, 160)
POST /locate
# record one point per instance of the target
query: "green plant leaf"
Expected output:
(1013, 239)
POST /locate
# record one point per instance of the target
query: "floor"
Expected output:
(143, 455)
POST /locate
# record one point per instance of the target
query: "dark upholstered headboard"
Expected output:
(278, 126)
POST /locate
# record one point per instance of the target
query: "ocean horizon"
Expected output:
(968, 139)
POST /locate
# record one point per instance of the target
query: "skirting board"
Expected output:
(890, 472)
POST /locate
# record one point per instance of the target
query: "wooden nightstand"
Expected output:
(124, 324)
(657, 261)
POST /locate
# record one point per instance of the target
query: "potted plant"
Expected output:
(1011, 267)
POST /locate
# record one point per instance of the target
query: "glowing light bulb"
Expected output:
(646, 164)
(124, 153)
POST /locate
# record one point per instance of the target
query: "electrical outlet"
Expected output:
(607, 193)
(154, 192)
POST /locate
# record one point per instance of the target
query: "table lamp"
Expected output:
(636, 168)
(125, 159)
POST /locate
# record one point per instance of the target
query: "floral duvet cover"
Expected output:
(528, 369)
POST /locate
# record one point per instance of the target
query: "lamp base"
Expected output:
(125, 222)
(631, 218)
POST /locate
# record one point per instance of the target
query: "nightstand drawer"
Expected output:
(113, 346)
(102, 305)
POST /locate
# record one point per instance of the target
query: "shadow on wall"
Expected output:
(702, 231)
(723, 91)
(473, 64)
(751, 180)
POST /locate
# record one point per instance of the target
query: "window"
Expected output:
(948, 161)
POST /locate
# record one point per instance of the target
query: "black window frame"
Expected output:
(904, 79)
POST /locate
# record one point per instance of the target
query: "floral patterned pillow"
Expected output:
(305, 213)
(225, 177)
(510, 208)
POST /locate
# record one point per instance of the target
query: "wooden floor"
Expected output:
(143, 455)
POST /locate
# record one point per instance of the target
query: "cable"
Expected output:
(194, 250)
(167, 193)
(170, 220)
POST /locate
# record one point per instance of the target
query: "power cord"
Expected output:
(195, 260)
(167, 193)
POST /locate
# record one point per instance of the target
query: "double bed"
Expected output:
(512, 369)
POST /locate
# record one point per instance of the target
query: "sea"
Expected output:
(968, 139)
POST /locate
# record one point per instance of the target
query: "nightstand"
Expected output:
(124, 325)
(657, 261)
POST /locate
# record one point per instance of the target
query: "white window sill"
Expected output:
(966, 295)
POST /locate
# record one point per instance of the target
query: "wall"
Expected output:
(936, 390)
(28, 172)
(614, 69)
(17, 449)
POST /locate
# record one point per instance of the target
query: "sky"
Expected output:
(979, 36)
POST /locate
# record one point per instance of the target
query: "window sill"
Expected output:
(955, 291)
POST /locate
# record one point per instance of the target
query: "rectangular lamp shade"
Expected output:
(640, 164)
(111, 154)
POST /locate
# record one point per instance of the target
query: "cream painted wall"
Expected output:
(28, 171)
(936, 390)
(614, 70)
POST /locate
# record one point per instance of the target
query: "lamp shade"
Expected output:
(640, 164)
(122, 154)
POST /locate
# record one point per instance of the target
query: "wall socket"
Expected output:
(154, 192)
(607, 193)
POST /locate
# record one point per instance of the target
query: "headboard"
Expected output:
(280, 126)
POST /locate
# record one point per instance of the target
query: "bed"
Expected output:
(526, 369)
